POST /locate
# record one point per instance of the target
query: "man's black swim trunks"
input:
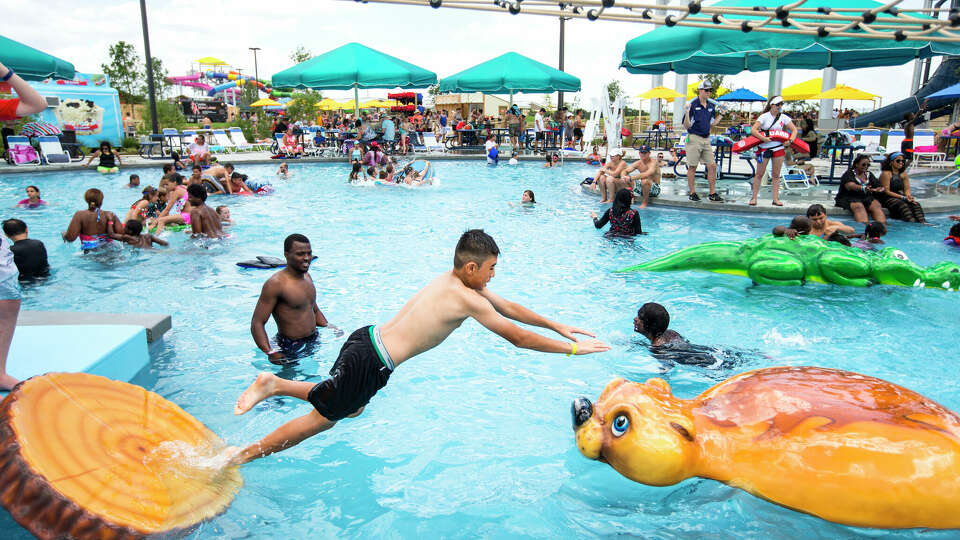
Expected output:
(293, 349)
(361, 369)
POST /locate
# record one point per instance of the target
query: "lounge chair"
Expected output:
(894, 139)
(172, 139)
(241, 142)
(926, 138)
(794, 179)
(869, 144)
(51, 151)
(21, 152)
(430, 143)
(186, 139)
(220, 140)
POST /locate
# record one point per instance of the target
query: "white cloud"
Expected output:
(444, 40)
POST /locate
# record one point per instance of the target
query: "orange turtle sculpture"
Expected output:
(83, 456)
(845, 447)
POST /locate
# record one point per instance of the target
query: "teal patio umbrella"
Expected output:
(31, 64)
(354, 66)
(510, 73)
(715, 50)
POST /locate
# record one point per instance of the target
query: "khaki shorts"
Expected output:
(699, 151)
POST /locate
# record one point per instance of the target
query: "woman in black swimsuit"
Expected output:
(896, 196)
(858, 188)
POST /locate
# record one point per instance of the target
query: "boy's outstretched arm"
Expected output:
(483, 311)
(515, 311)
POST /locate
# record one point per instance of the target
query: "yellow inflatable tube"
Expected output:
(842, 446)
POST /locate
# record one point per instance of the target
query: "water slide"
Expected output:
(191, 81)
(231, 79)
(946, 75)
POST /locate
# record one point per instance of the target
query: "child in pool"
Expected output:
(389, 170)
(283, 172)
(134, 181)
(594, 158)
(953, 239)
(870, 237)
(224, 214)
(355, 172)
(552, 160)
(33, 199)
(131, 236)
(527, 198)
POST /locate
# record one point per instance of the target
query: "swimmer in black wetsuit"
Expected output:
(670, 347)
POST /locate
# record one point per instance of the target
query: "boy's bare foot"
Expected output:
(643, 205)
(7, 382)
(259, 390)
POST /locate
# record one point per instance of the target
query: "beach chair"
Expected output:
(794, 179)
(21, 152)
(51, 151)
(430, 143)
(186, 139)
(221, 141)
(241, 142)
(869, 144)
(923, 139)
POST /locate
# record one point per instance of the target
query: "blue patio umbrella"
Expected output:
(742, 95)
(948, 92)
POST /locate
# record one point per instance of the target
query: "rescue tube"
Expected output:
(746, 143)
(87, 457)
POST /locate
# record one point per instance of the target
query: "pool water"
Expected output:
(474, 438)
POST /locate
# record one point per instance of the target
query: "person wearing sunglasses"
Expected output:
(896, 196)
(858, 191)
(771, 150)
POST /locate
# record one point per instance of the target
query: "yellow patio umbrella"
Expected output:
(211, 61)
(802, 91)
(660, 92)
(378, 104)
(266, 102)
(327, 104)
(842, 92)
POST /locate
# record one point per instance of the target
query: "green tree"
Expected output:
(300, 54)
(168, 115)
(614, 90)
(124, 71)
(434, 89)
(715, 79)
(160, 83)
(303, 107)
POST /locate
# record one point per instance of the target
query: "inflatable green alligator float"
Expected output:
(773, 260)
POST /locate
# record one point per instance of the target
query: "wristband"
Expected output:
(6, 77)
(573, 348)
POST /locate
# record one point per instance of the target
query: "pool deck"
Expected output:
(673, 194)
(109, 344)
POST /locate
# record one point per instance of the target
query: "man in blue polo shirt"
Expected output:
(700, 115)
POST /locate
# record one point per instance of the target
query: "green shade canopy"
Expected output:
(508, 74)
(709, 50)
(354, 66)
(31, 64)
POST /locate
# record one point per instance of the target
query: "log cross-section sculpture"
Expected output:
(82, 456)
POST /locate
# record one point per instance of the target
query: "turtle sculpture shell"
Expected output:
(82, 456)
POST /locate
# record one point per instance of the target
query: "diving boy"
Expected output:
(371, 353)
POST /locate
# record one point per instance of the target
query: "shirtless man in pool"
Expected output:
(289, 295)
(371, 353)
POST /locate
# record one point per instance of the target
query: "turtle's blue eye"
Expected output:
(620, 425)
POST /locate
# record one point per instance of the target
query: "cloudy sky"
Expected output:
(442, 40)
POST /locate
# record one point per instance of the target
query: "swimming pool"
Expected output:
(473, 438)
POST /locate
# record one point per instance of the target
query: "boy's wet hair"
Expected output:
(839, 238)
(476, 246)
(14, 226)
(955, 230)
(168, 168)
(815, 209)
(133, 227)
(132, 176)
(221, 208)
(371, 171)
(655, 318)
(801, 224)
(295, 237)
(875, 229)
(383, 175)
(198, 191)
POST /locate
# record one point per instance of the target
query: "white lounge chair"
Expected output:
(870, 143)
(51, 151)
(894, 140)
(220, 139)
(14, 141)
(926, 137)
(794, 179)
(430, 143)
(241, 142)
(186, 139)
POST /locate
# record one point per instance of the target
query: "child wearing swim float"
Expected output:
(953, 239)
(372, 353)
